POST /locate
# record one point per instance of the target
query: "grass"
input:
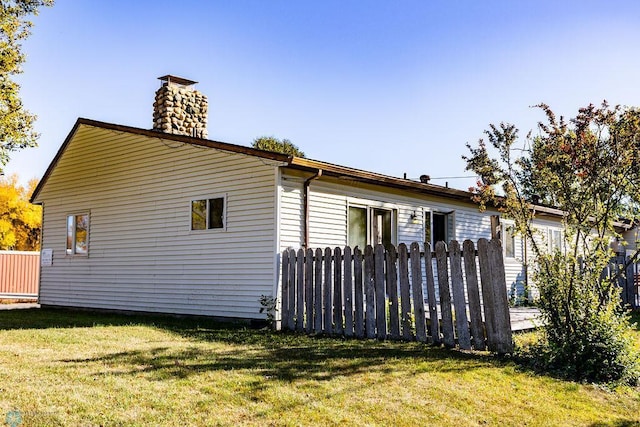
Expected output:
(61, 367)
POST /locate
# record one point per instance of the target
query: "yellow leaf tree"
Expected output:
(20, 221)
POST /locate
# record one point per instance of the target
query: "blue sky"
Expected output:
(388, 86)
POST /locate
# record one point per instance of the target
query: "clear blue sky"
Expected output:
(386, 86)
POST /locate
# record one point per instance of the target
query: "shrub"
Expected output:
(586, 335)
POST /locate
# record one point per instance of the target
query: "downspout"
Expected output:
(305, 202)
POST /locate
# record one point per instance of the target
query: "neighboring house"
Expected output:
(160, 221)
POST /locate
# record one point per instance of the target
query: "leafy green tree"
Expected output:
(16, 123)
(270, 143)
(589, 169)
(20, 221)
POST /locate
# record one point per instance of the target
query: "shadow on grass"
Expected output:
(284, 356)
(311, 359)
(275, 355)
(45, 318)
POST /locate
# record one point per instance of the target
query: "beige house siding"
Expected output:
(142, 254)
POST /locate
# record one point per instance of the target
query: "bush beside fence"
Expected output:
(379, 294)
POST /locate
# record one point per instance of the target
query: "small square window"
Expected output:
(208, 214)
(78, 234)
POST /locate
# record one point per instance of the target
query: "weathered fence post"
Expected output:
(284, 292)
(392, 291)
(405, 296)
(475, 309)
(487, 293)
(431, 295)
(308, 290)
(317, 292)
(459, 300)
(327, 298)
(445, 296)
(501, 299)
(369, 292)
(380, 290)
(418, 298)
(300, 291)
(348, 293)
(497, 312)
(337, 291)
(292, 290)
(358, 293)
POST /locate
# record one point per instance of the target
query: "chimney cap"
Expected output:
(169, 79)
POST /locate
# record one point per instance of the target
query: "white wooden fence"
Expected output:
(379, 294)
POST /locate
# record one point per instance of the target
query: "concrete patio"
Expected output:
(524, 318)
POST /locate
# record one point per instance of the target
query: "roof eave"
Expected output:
(341, 172)
(299, 163)
(53, 163)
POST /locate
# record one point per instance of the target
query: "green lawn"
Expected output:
(80, 369)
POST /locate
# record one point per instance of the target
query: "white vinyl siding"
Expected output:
(291, 214)
(329, 202)
(143, 255)
(328, 218)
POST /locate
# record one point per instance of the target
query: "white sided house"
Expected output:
(164, 220)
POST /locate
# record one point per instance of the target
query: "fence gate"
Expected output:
(380, 294)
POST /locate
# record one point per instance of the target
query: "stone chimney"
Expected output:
(179, 108)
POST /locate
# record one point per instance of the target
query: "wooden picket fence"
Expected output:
(379, 294)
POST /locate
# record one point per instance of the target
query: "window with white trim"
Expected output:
(369, 225)
(208, 214)
(78, 234)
